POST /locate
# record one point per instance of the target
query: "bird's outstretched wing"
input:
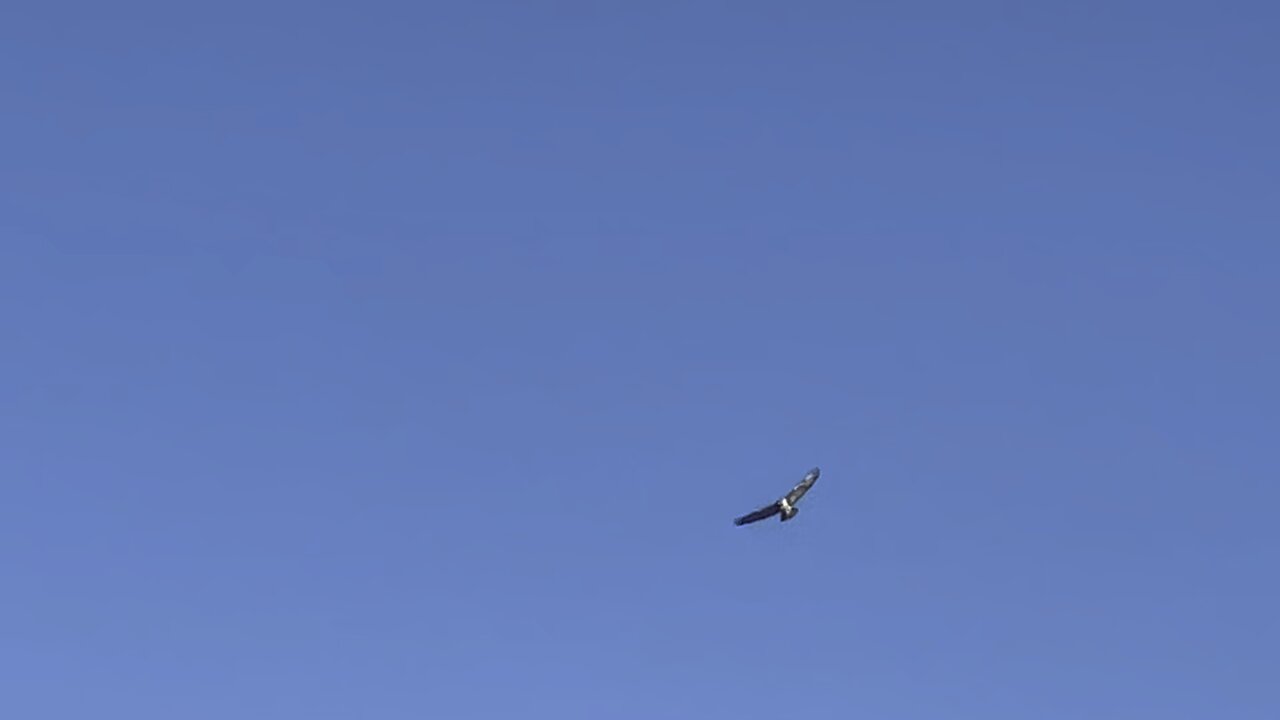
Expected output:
(802, 487)
(761, 514)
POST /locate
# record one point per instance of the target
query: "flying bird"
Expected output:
(786, 505)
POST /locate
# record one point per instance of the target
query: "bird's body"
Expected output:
(784, 506)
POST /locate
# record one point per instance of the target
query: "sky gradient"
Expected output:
(411, 360)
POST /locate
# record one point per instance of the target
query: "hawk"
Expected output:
(786, 505)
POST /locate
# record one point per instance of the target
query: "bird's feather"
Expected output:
(802, 487)
(761, 514)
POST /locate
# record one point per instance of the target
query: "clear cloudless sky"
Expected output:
(411, 360)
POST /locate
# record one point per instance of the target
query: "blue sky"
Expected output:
(411, 360)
